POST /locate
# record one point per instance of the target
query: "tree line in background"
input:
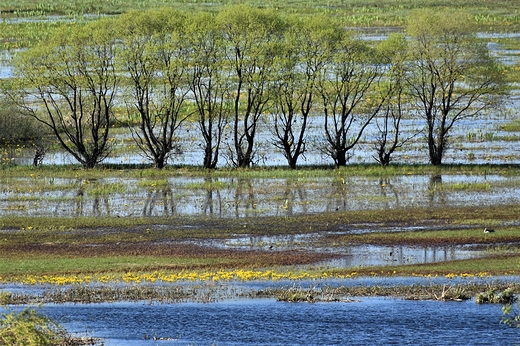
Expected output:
(244, 65)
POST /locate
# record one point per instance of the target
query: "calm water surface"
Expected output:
(372, 321)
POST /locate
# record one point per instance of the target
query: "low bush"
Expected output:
(32, 329)
(16, 127)
(492, 297)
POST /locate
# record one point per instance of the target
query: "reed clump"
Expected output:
(493, 296)
(432, 291)
(93, 294)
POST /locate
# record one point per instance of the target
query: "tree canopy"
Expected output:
(450, 74)
(73, 78)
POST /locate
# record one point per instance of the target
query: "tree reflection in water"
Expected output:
(242, 197)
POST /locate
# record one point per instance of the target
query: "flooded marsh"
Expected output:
(325, 219)
(316, 256)
(235, 197)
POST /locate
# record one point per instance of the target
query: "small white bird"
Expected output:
(487, 230)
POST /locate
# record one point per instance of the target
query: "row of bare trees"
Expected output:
(240, 66)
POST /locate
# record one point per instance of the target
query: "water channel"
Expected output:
(369, 321)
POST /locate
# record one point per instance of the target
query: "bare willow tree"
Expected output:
(299, 61)
(346, 88)
(154, 55)
(209, 84)
(68, 83)
(450, 75)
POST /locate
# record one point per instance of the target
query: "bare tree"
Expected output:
(154, 55)
(451, 75)
(68, 83)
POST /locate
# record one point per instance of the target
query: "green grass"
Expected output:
(513, 126)
(464, 186)
(505, 265)
(54, 265)
(79, 234)
(27, 33)
(133, 229)
(488, 11)
(435, 237)
(22, 234)
(489, 15)
(47, 173)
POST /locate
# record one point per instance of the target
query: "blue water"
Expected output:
(372, 321)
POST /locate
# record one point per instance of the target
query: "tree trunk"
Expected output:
(436, 149)
(341, 158)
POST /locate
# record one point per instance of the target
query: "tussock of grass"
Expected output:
(513, 126)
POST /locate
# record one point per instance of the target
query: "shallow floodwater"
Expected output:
(351, 256)
(372, 321)
(242, 198)
(478, 140)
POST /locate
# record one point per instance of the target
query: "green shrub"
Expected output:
(29, 328)
(492, 297)
(15, 126)
(5, 298)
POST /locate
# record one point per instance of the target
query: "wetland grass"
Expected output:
(433, 237)
(105, 229)
(499, 265)
(513, 126)
(304, 172)
(201, 287)
(432, 291)
(498, 14)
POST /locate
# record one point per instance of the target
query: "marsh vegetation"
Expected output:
(259, 223)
